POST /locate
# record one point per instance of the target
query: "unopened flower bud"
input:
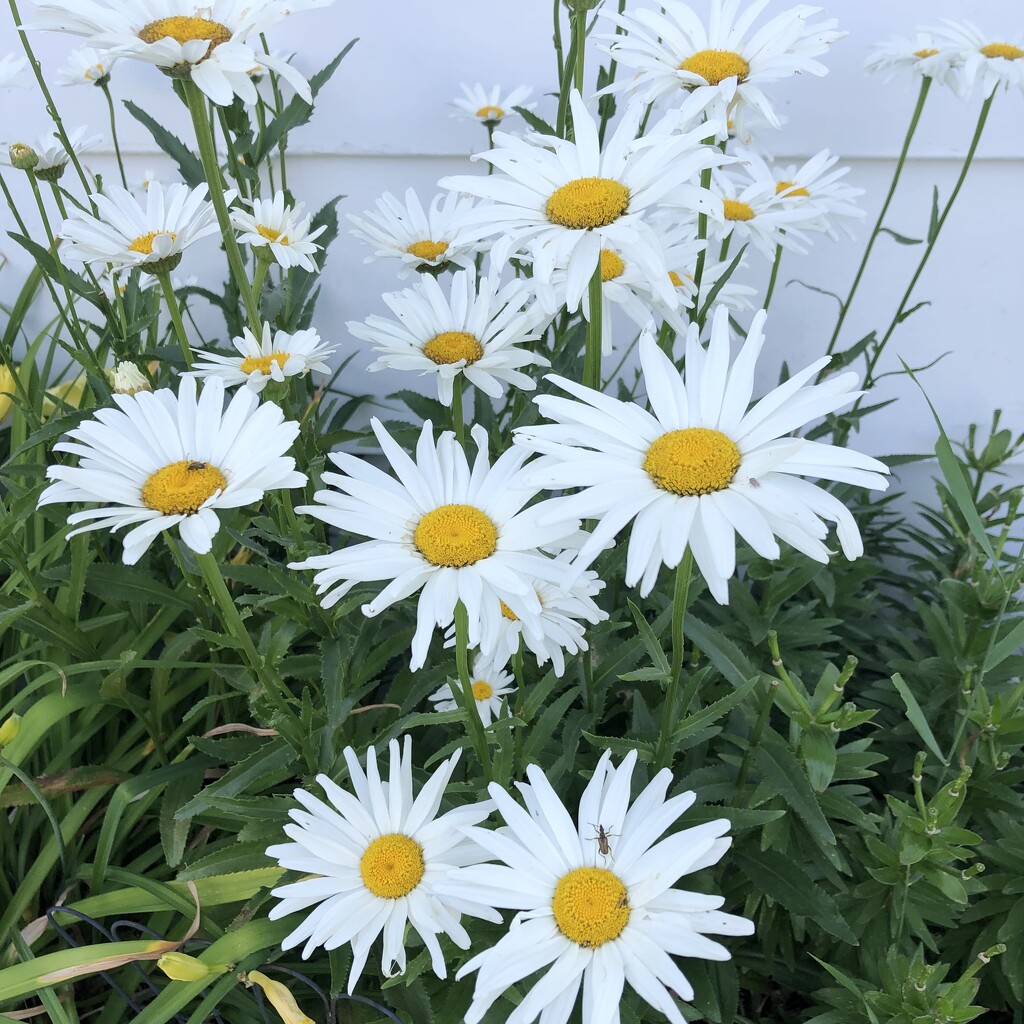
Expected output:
(182, 967)
(127, 379)
(23, 156)
(10, 729)
(280, 998)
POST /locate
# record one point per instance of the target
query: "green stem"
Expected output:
(774, 277)
(211, 168)
(579, 30)
(172, 307)
(557, 38)
(113, 132)
(680, 598)
(592, 357)
(845, 307)
(490, 144)
(278, 107)
(260, 273)
(458, 416)
(475, 726)
(702, 234)
(755, 736)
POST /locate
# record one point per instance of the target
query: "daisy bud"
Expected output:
(6, 391)
(127, 379)
(10, 729)
(23, 156)
(182, 967)
(280, 998)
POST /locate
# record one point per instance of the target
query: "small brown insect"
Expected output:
(602, 836)
(623, 902)
(754, 482)
(196, 465)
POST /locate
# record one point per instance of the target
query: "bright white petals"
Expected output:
(280, 230)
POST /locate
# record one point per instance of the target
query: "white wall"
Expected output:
(383, 124)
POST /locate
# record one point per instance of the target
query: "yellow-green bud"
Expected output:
(23, 156)
(10, 729)
(182, 967)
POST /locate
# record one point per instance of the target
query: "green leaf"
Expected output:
(933, 219)
(650, 641)
(1003, 649)
(916, 717)
(538, 124)
(713, 712)
(819, 753)
(902, 239)
(189, 165)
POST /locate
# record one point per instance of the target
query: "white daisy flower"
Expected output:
(422, 240)
(160, 460)
(701, 468)
(280, 230)
(563, 202)
(918, 56)
(376, 856)
(475, 331)
(594, 898)
(816, 185)
(86, 66)
(12, 70)
(672, 50)
(986, 61)
(205, 41)
(153, 237)
(486, 106)
(52, 157)
(490, 687)
(456, 532)
(276, 355)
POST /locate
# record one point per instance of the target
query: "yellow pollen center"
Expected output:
(250, 364)
(588, 203)
(735, 209)
(692, 461)
(451, 346)
(482, 690)
(427, 250)
(490, 113)
(507, 612)
(675, 279)
(181, 488)
(1005, 50)
(144, 243)
(611, 265)
(715, 66)
(925, 53)
(789, 188)
(591, 906)
(184, 28)
(271, 235)
(455, 536)
(392, 866)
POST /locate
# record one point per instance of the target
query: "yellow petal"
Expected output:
(280, 998)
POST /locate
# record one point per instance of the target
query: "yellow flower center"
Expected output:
(181, 488)
(184, 28)
(715, 66)
(692, 461)
(676, 279)
(925, 53)
(507, 612)
(1005, 50)
(490, 113)
(588, 203)
(591, 906)
(738, 210)
(250, 364)
(482, 690)
(789, 189)
(392, 866)
(611, 265)
(427, 250)
(455, 536)
(451, 346)
(144, 243)
(271, 235)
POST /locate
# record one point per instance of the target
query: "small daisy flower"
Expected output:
(594, 898)
(474, 331)
(700, 468)
(987, 62)
(161, 460)
(450, 531)
(372, 859)
(152, 237)
(490, 687)
(918, 56)
(12, 71)
(86, 66)
(274, 356)
(816, 185)
(486, 106)
(563, 202)
(278, 231)
(52, 157)
(672, 50)
(422, 240)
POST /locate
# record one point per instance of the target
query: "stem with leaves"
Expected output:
(680, 599)
(464, 692)
(595, 330)
(175, 312)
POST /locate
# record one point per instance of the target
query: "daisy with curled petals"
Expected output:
(12, 68)
(918, 56)
(701, 468)
(816, 185)
(152, 238)
(376, 855)
(202, 41)
(86, 66)
(160, 460)
(475, 332)
(563, 202)
(594, 898)
(672, 50)
(422, 240)
(490, 687)
(985, 61)
(53, 157)
(278, 232)
(486, 106)
(276, 356)
(452, 531)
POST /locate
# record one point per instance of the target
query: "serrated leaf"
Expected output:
(650, 641)
(189, 165)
